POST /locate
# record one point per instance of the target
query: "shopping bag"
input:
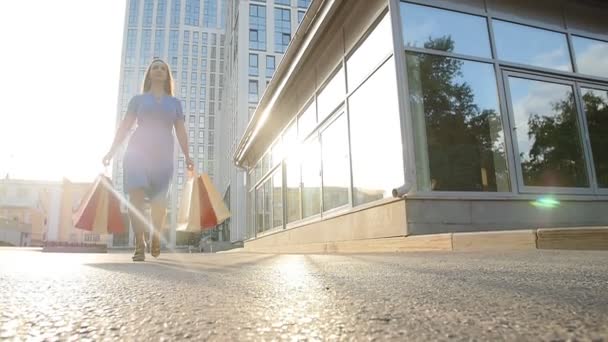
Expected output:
(213, 209)
(188, 215)
(201, 205)
(99, 210)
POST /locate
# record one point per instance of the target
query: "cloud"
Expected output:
(593, 60)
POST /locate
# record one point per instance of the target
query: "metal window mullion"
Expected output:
(405, 113)
(586, 139)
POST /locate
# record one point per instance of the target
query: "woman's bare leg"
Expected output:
(159, 213)
(137, 217)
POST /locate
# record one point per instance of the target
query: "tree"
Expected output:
(461, 147)
(556, 156)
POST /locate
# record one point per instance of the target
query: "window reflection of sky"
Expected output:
(528, 45)
(481, 78)
(529, 98)
(469, 32)
(591, 56)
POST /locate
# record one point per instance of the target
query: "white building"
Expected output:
(189, 35)
(257, 35)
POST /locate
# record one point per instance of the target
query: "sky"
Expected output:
(61, 69)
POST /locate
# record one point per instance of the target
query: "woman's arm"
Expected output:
(121, 134)
(182, 138)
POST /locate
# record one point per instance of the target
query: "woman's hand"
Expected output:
(189, 164)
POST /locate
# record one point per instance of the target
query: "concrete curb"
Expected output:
(584, 238)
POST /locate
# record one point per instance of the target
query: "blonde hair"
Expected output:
(168, 86)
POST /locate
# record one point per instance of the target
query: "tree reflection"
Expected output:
(596, 110)
(555, 157)
(465, 142)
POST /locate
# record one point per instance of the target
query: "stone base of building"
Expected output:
(445, 225)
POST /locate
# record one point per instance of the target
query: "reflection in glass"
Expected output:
(423, 25)
(455, 102)
(292, 173)
(332, 95)
(375, 127)
(277, 199)
(307, 121)
(311, 178)
(547, 134)
(377, 46)
(596, 111)
(533, 46)
(336, 168)
(591, 56)
(267, 204)
(259, 209)
(276, 153)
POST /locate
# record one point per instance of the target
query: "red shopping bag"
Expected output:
(201, 205)
(99, 210)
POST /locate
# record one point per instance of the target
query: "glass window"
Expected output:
(292, 173)
(133, 11)
(332, 95)
(145, 47)
(257, 27)
(591, 56)
(270, 66)
(595, 102)
(282, 29)
(311, 178)
(276, 153)
(159, 43)
(175, 12)
(282, 2)
(193, 10)
(301, 16)
(259, 209)
(336, 166)
(267, 204)
(307, 121)
(277, 199)
(528, 45)
(161, 13)
(546, 129)
(253, 91)
(377, 46)
(303, 3)
(148, 8)
(210, 13)
(458, 129)
(376, 148)
(437, 29)
(253, 64)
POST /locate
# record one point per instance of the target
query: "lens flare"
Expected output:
(546, 203)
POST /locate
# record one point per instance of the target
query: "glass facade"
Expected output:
(529, 103)
(496, 106)
(332, 131)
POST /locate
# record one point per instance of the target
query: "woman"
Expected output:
(148, 159)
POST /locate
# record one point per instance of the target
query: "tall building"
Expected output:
(258, 33)
(189, 35)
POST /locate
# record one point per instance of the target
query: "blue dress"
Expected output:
(148, 159)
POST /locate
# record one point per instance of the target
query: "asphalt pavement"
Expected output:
(539, 295)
